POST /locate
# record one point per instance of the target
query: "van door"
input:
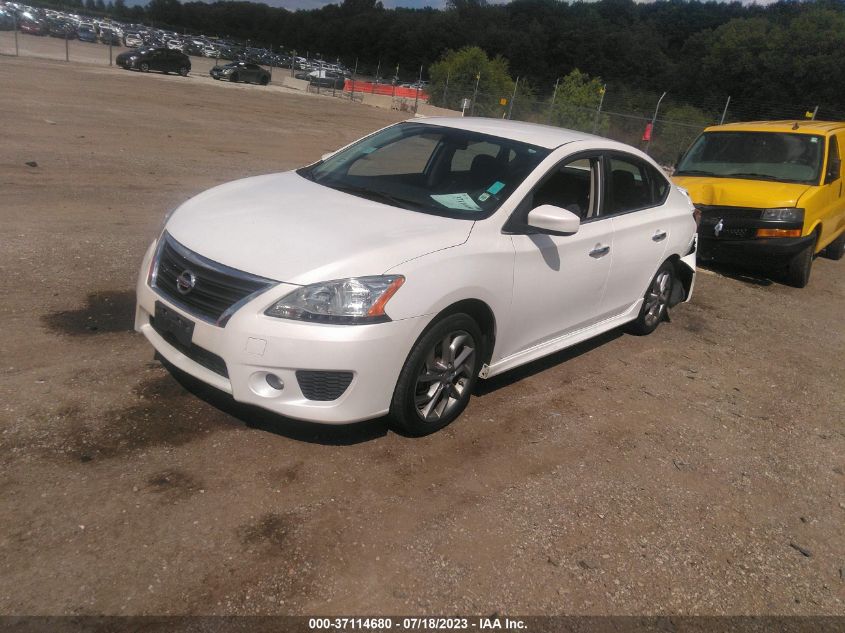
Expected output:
(832, 200)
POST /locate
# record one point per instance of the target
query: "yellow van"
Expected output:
(769, 192)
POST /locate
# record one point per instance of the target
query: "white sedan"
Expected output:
(391, 275)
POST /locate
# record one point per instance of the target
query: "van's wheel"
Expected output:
(799, 267)
(655, 302)
(836, 249)
(439, 375)
(183, 70)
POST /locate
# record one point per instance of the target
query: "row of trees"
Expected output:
(785, 55)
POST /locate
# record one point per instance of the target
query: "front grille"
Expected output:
(217, 290)
(323, 385)
(198, 354)
(738, 223)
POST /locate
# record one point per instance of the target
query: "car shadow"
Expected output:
(747, 275)
(264, 420)
(513, 376)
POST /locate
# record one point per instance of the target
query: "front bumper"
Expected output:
(254, 345)
(758, 251)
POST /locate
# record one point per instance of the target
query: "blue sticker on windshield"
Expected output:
(496, 187)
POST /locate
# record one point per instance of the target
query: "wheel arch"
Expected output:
(685, 275)
(480, 312)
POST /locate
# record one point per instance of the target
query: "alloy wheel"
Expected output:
(442, 381)
(657, 298)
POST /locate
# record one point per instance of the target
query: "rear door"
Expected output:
(832, 200)
(636, 194)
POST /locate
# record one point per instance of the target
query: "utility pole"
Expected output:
(602, 90)
(513, 96)
(446, 90)
(474, 94)
(653, 121)
(354, 73)
(725, 111)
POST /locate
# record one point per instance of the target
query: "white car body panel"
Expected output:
(545, 292)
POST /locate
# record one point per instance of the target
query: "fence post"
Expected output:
(111, 39)
(395, 81)
(653, 121)
(271, 62)
(15, 25)
(67, 48)
(513, 96)
(474, 94)
(446, 90)
(378, 78)
(417, 97)
(552, 104)
(725, 111)
(354, 73)
(598, 110)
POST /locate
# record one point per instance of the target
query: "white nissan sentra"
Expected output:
(390, 276)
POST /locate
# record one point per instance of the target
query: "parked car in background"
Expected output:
(86, 34)
(58, 28)
(390, 275)
(133, 41)
(161, 59)
(109, 36)
(33, 27)
(770, 193)
(326, 79)
(241, 71)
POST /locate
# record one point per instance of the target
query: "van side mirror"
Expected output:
(553, 220)
(834, 166)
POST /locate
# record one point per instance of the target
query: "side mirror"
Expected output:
(834, 166)
(553, 220)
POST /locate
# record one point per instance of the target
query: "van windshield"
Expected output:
(778, 156)
(431, 168)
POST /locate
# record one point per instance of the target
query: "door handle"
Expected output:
(659, 236)
(599, 251)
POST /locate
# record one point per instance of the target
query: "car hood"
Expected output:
(736, 192)
(287, 228)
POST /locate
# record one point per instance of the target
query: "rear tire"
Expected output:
(438, 378)
(655, 302)
(836, 249)
(183, 71)
(264, 81)
(799, 267)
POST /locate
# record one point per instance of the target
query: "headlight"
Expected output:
(787, 214)
(343, 301)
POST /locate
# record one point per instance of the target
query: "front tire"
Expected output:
(145, 67)
(799, 267)
(836, 249)
(655, 302)
(183, 71)
(437, 380)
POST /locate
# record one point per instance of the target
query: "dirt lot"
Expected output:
(697, 470)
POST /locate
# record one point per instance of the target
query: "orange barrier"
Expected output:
(367, 87)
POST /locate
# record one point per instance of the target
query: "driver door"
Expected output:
(559, 281)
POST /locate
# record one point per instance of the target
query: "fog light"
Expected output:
(275, 382)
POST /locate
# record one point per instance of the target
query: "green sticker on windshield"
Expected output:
(496, 187)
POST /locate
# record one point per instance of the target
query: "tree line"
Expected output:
(786, 56)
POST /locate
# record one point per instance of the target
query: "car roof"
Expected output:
(532, 133)
(792, 126)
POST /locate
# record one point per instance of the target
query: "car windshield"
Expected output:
(778, 156)
(431, 169)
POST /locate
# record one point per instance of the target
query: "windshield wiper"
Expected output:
(378, 196)
(751, 175)
(694, 172)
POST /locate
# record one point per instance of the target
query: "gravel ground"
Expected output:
(700, 470)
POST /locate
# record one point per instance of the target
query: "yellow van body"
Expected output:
(782, 217)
